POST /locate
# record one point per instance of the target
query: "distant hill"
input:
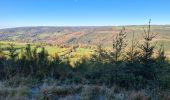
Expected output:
(85, 35)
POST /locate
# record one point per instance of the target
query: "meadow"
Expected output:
(74, 53)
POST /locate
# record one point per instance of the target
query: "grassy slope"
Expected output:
(82, 35)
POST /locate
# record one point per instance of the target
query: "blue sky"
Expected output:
(17, 13)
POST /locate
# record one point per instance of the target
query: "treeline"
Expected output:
(141, 66)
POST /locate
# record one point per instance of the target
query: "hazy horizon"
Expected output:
(87, 26)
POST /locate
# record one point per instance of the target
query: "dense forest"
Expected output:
(140, 67)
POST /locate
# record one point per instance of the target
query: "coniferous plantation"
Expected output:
(131, 70)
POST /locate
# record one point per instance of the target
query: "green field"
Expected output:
(80, 51)
(74, 55)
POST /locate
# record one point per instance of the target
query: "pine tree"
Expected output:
(161, 57)
(147, 48)
(147, 51)
(119, 43)
(133, 53)
(28, 52)
(13, 54)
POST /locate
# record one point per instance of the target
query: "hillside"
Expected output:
(85, 35)
(46, 72)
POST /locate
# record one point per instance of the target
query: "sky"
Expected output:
(20, 13)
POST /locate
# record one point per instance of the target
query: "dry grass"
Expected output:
(75, 92)
(138, 95)
(10, 93)
(60, 91)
